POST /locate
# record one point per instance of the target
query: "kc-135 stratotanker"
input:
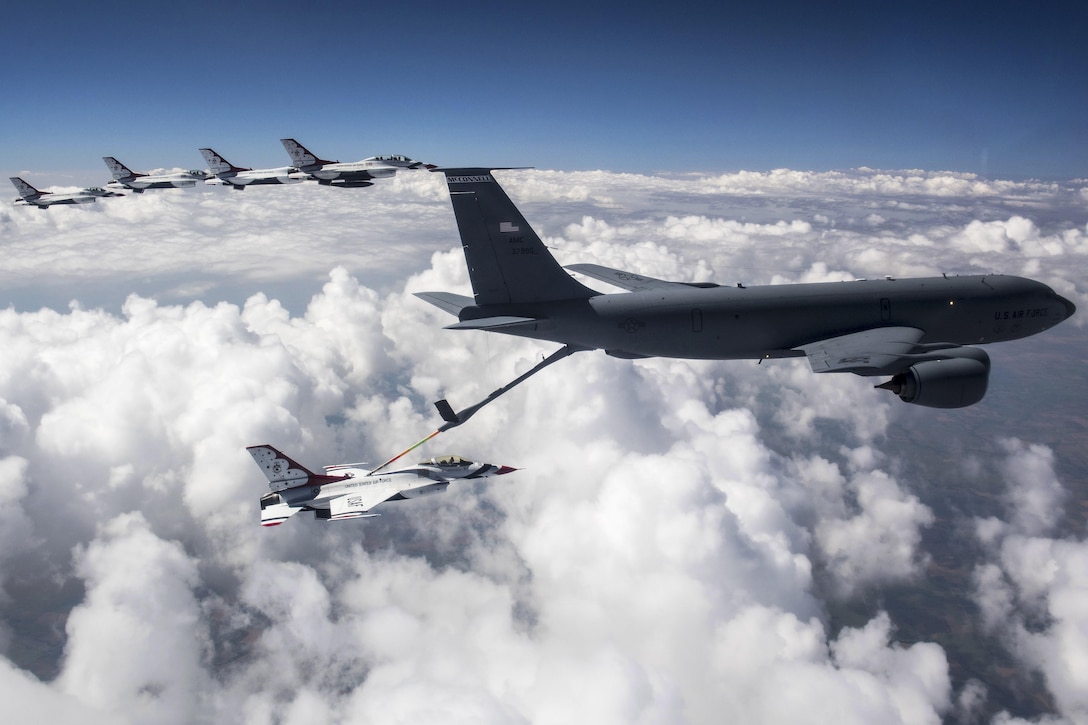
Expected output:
(349, 491)
(919, 332)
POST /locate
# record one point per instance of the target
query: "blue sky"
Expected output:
(995, 88)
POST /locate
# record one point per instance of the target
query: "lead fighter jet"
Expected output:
(347, 491)
(348, 174)
(917, 331)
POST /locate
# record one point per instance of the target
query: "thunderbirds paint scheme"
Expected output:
(29, 196)
(349, 491)
(126, 178)
(239, 177)
(353, 174)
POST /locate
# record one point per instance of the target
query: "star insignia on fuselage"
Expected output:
(631, 325)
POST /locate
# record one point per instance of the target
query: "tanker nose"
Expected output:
(1070, 308)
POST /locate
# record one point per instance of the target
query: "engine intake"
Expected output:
(955, 381)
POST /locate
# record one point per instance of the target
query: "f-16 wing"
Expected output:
(357, 504)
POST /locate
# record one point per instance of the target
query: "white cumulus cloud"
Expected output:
(678, 545)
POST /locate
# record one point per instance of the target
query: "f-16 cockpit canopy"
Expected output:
(449, 461)
(395, 157)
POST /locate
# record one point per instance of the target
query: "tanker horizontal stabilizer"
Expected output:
(629, 281)
(447, 301)
(493, 323)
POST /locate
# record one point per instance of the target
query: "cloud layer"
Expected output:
(680, 544)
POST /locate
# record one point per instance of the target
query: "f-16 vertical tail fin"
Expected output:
(507, 261)
(217, 164)
(302, 156)
(119, 170)
(26, 191)
(284, 473)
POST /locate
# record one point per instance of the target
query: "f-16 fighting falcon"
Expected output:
(239, 177)
(347, 175)
(29, 196)
(126, 178)
(347, 491)
(918, 332)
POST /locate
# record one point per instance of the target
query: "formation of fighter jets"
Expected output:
(305, 167)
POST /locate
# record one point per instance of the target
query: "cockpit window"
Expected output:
(448, 461)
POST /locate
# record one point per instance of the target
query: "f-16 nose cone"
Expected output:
(504, 470)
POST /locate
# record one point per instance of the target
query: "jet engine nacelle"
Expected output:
(425, 490)
(954, 382)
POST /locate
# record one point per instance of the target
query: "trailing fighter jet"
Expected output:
(126, 178)
(29, 196)
(239, 177)
(348, 175)
(347, 491)
(917, 331)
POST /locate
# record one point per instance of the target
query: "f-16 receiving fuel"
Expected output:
(239, 177)
(347, 175)
(918, 332)
(347, 491)
(29, 196)
(126, 178)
